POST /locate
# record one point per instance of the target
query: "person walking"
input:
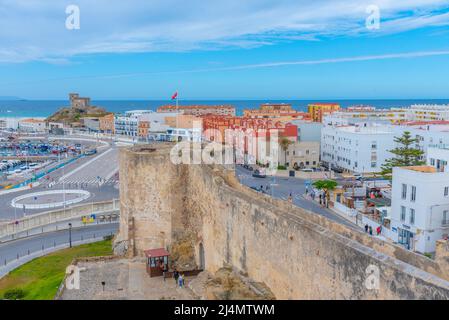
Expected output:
(366, 228)
(175, 275)
(370, 230)
(180, 281)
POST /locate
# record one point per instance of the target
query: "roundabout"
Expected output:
(50, 199)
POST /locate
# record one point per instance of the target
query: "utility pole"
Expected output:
(70, 234)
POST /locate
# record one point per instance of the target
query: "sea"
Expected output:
(45, 108)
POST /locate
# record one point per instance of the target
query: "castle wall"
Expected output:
(298, 254)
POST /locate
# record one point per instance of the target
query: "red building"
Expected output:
(247, 134)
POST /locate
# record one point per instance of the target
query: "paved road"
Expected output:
(104, 164)
(282, 187)
(101, 168)
(30, 245)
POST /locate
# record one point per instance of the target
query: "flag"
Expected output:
(174, 96)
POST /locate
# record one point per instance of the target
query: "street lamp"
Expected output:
(70, 234)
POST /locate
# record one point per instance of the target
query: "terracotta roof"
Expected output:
(160, 252)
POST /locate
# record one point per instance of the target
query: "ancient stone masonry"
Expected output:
(206, 219)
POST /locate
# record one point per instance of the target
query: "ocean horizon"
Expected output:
(45, 108)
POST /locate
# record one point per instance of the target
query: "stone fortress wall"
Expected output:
(207, 219)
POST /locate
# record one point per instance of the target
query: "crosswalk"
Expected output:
(85, 182)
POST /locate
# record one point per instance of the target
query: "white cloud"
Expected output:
(35, 29)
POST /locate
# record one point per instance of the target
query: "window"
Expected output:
(404, 191)
(402, 213)
(432, 162)
(445, 217)
(307, 151)
(413, 195)
(446, 191)
(412, 216)
(374, 145)
(373, 164)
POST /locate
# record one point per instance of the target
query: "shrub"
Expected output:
(14, 294)
(109, 237)
(281, 167)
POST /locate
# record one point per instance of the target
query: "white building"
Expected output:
(428, 112)
(182, 134)
(128, 124)
(420, 207)
(429, 133)
(32, 125)
(362, 148)
(308, 131)
(348, 146)
(353, 115)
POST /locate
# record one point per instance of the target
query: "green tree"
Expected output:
(285, 143)
(404, 154)
(326, 186)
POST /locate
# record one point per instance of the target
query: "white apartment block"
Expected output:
(351, 147)
(420, 207)
(128, 124)
(417, 112)
(428, 112)
(355, 115)
(362, 148)
(182, 134)
(430, 134)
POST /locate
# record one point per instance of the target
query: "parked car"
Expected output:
(258, 174)
(337, 169)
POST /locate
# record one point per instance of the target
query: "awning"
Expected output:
(154, 253)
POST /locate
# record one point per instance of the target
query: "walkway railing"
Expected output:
(10, 229)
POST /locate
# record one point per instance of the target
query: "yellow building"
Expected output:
(318, 110)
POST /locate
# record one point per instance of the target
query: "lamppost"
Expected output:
(70, 234)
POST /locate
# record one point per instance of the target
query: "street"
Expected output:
(10, 250)
(280, 187)
(97, 174)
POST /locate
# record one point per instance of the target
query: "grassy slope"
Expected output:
(41, 277)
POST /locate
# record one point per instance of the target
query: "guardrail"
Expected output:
(83, 195)
(10, 229)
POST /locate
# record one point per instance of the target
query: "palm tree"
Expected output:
(326, 186)
(285, 143)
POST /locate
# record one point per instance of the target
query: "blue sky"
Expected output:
(259, 49)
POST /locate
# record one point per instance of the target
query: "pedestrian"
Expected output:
(307, 190)
(175, 275)
(366, 228)
(321, 199)
(370, 230)
(379, 230)
(180, 281)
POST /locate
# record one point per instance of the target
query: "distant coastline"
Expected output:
(44, 108)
